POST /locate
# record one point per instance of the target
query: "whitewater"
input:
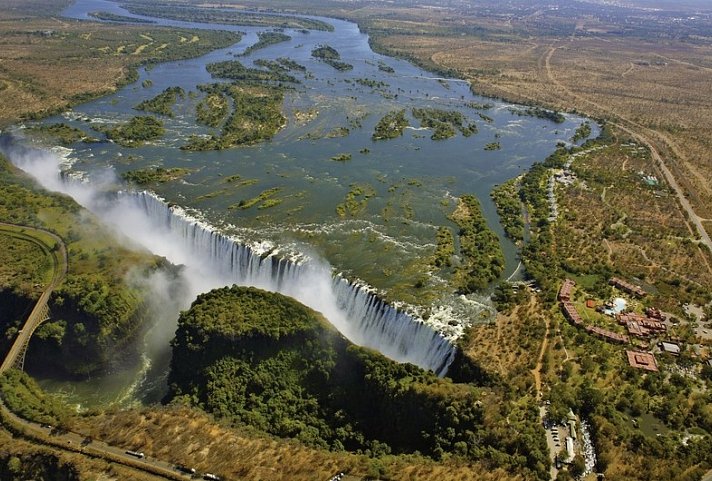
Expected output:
(211, 259)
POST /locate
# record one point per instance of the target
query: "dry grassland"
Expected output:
(659, 89)
(182, 435)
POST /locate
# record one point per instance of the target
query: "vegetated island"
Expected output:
(509, 208)
(330, 56)
(390, 126)
(444, 122)
(155, 175)
(113, 17)
(264, 360)
(582, 132)
(538, 112)
(256, 116)
(230, 17)
(162, 103)
(482, 259)
(64, 134)
(135, 132)
(265, 39)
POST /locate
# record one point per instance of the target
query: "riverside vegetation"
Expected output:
(95, 312)
(162, 103)
(264, 360)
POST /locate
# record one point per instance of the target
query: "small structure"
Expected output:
(569, 449)
(625, 286)
(590, 303)
(572, 428)
(670, 348)
(642, 360)
(565, 291)
(654, 313)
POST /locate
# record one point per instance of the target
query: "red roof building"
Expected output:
(565, 291)
(642, 360)
(625, 286)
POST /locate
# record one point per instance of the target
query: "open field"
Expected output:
(49, 64)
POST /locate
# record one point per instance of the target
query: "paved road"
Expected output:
(58, 254)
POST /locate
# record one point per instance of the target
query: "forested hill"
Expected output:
(262, 359)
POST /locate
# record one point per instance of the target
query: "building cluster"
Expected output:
(572, 315)
(642, 326)
(626, 286)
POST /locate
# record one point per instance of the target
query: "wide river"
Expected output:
(412, 181)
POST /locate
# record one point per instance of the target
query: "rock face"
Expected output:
(265, 360)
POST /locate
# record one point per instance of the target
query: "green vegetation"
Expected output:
(94, 312)
(444, 122)
(341, 157)
(113, 17)
(290, 64)
(264, 360)
(370, 83)
(264, 197)
(330, 56)
(582, 132)
(25, 398)
(509, 208)
(256, 117)
(493, 146)
(234, 70)
(385, 68)
(157, 175)
(230, 17)
(147, 83)
(213, 109)
(482, 258)
(445, 247)
(390, 126)
(23, 264)
(486, 118)
(478, 106)
(265, 39)
(356, 200)
(135, 132)
(162, 103)
(539, 113)
(61, 132)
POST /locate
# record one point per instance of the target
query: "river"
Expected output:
(413, 181)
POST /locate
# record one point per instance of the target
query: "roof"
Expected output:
(642, 360)
(670, 347)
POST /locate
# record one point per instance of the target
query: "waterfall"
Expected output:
(212, 259)
(352, 308)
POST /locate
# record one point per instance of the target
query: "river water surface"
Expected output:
(412, 181)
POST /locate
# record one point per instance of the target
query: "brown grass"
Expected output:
(178, 434)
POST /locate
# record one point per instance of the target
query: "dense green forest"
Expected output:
(94, 311)
(265, 360)
(480, 251)
(135, 132)
(331, 56)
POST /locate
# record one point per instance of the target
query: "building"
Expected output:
(571, 314)
(670, 348)
(565, 291)
(642, 360)
(607, 335)
(625, 286)
(654, 313)
(635, 329)
(591, 304)
(569, 449)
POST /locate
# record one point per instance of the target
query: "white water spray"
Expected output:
(212, 260)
